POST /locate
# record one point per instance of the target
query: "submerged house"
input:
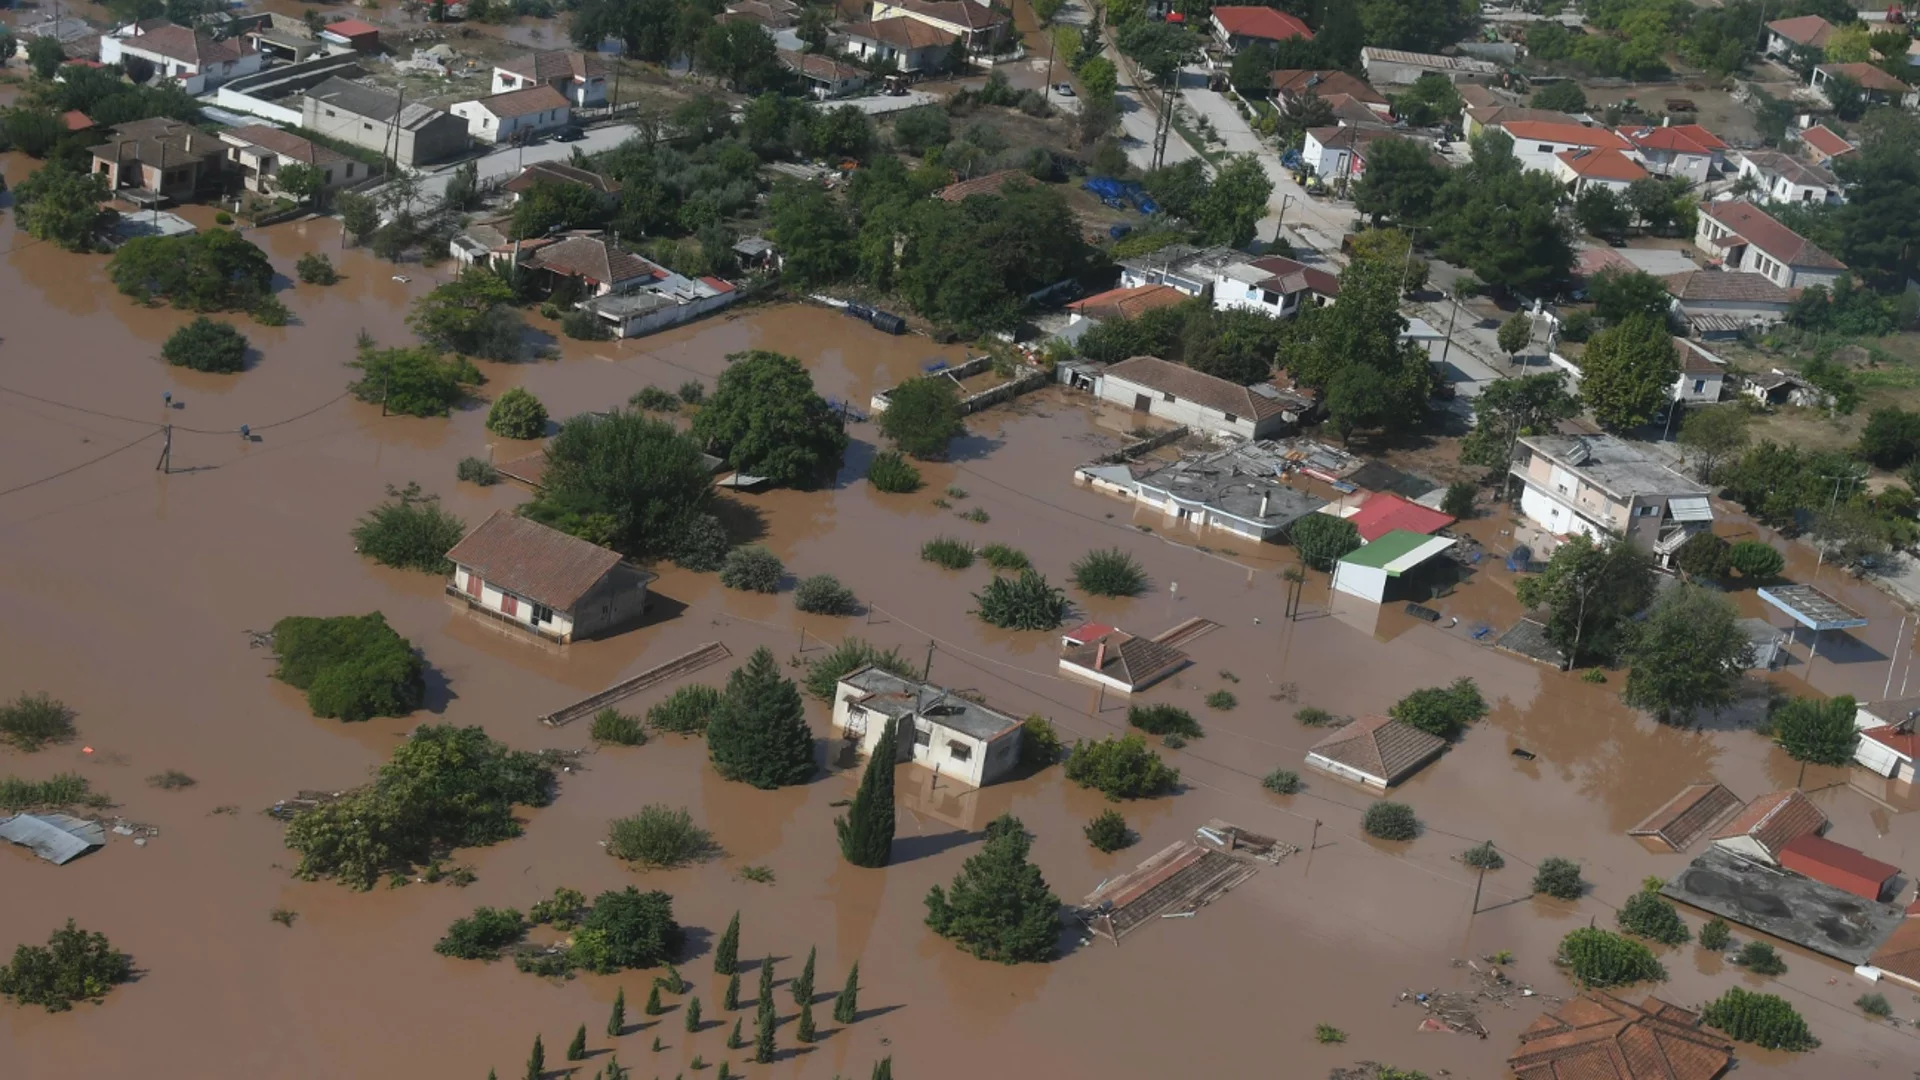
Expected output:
(540, 579)
(1597, 1036)
(1769, 823)
(935, 727)
(1376, 752)
(1112, 657)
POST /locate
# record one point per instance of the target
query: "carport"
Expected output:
(1812, 609)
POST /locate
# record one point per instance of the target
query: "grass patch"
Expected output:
(1222, 700)
(1325, 1034)
(64, 789)
(614, 727)
(686, 710)
(1109, 572)
(762, 875)
(31, 721)
(1002, 557)
(947, 552)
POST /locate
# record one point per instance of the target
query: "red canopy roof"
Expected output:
(1384, 512)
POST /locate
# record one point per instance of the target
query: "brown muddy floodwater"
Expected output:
(129, 593)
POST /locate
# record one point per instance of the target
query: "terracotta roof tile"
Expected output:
(1135, 662)
(1268, 24)
(900, 32)
(1726, 285)
(1383, 512)
(1795, 170)
(187, 46)
(1904, 742)
(530, 560)
(1325, 83)
(1381, 747)
(1868, 76)
(967, 13)
(1187, 384)
(1900, 953)
(1604, 163)
(1597, 1036)
(1127, 303)
(1824, 139)
(1289, 277)
(287, 144)
(554, 172)
(590, 257)
(551, 64)
(1681, 139)
(1824, 852)
(1809, 30)
(1776, 819)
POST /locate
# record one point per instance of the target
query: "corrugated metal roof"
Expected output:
(56, 838)
(1690, 508)
(1398, 551)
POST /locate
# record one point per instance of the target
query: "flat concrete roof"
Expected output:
(1230, 485)
(1812, 608)
(1830, 921)
(897, 696)
(1616, 465)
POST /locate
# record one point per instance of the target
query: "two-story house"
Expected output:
(1779, 178)
(1688, 151)
(933, 727)
(579, 77)
(193, 58)
(1600, 485)
(1703, 376)
(1745, 237)
(1236, 28)
(1274, 286)
(979, 26)
(1610, 169)
(1537, 145)
(258, 153)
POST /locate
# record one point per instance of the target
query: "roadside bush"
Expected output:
(1026, 602)
(1164, 720)
(752, 569)
(852, 654)
(1559, 878)
(1445, 712)
(409, 532)
(950, 553)
(638, 928)
(1598, 959)
(693, 391)
(1281, 781)
(822, 594)
(1108, 832)
(31, 721)
(1715, 934)
(1483, 857)
(205, 345)
(654, 399)
(74, 965)
(1765, 1020)
(1874, 1005)
(477, 471)
(481, 935)
(353, 667)
(1646, 914)
(892, 473)
(1760, 958)
(612, 726)
(658, 837)
(1004, 558)
(1390, 821)
(1756, 559)
(686, 710)
(314, 268)
(1322, 540)
(1120, 768)
(1040, 744)
(583, 325)
(1111, 572)
(517, 414)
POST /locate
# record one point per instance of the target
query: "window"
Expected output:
(1646, 511)
(542, 613)
(1545, 148)
(922, 736)
(958, 750)
(366, 126)
(1231, 418)
(1166, 396)
(329, 112)
(1699, 386)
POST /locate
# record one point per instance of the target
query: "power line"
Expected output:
(76, 468)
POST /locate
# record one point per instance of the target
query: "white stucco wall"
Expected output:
(1346, 772)
(494, 600)
(1122, 392)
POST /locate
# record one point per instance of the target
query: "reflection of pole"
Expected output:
(1895, 658)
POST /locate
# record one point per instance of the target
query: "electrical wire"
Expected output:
(76, 468)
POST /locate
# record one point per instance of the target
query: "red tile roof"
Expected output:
(1686, 816)
(716, 284)
(1324, 83)
(1205, 390)
(351, 28)
(1900, 742)
(1868, 76)
(1290, 277)
(1602, 164)
(1571, 134)
(1597, 1036)
(187, 46)
(550, 64)
(75, 120)
(1900, 953)
(589, 257)
(528, 559)
(1127, 303)
(1261, 22)
(1134, 662)
(1380, 747)
(1809, 30)
(1740, 286)
(287, 144)
(1811, 854)
(1383, 512)
(1085, 632)
(1824, 139)
(1776, 820)
(974, 16)
(900, 32)
(1758, 228)
(1680, 139)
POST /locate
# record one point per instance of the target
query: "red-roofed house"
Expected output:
(601, 266)
(1878, 87)
(1238, 27)
(1327, 86)
(191, 57)
(913, 47)
(1805, 31)
(1126, 303)
(1745, 237)
(980, 26)
(1597, 1036)
(1607, 168)
(579, 77)
(1824, 144)
(352, 33)
(1770, 823)
(541, 579)
(1888, 744)
(1273, 285)
(75, 120)
(1839, 866)
(1684, 150)
(1383, 512)
(1537, 144)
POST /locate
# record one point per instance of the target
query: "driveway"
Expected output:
(1316, 223)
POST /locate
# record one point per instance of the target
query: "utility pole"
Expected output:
(165, 464)
(1451, 316)
(386, 387)
(927, 672)
(1478, 882)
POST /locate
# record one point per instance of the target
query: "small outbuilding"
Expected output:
(957, 737)
(57, 838)
(1117, 659)
(1839, 866)
(1888, 744)
(540, 579)
(1369, 572)
(1385, 512)
(1375, 751)
(1769, 824)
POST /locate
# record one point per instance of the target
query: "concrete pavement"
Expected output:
(1319, 223)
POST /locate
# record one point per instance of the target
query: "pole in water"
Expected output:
(165, 464)
(927, 672)
(1477, 883)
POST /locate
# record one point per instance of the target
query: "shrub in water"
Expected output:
(822, 594)
(1648, 915)
(1026, 602)
(1715, 935)
(517, 414)
(1164, 720)
(610, 725)
(947, 552)
(752, 569)
(1874, 1005)
(1120, 768)
(1111, 572)
(205, 345)
(1765, 1020)
(893, 473)
(314, 268)
(653, 399)
(482, 935)
(1601, 958)
(1108, 832)
(686, 710)
(693, 391)
(1441, 711)
(1281, 781)
(1040, 744)
(1483, 857)
(1558, 878)
(353, 667)
(73, 965)
(658, 836)
(1390, 821)
(409, 531)
(1222, 700)
(31, 721)
(1002, 557)
(1760, 958)
(703, 545)
(1313, 717)
(583, 325)
(477, 471)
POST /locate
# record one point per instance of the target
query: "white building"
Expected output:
(909, 45)
(1702, 375)
(1887, 743)
(541, 579)
(258, 153)
(1600, 485)
(1273, 286)
(516, 114)
(190, 57)
(1779, 178)
(1538, 144)
(980, 26)
(959, 738)
(1371, 570)
(1687, 151)
(1395, 67)
(1184, 267)
(1225, 492)
(1805, 31)
(1203, 402)
(578, 77)
(1375, 752)
(1745, 237)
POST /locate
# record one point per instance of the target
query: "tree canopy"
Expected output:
(923, 416)
(216, 270)
(205, 345)
(60, 205)
(74, 965)
(625, 480)
(1509, 408)
(1688, 655)
(1591, 589)
(412, 382)
(353, 667)
(472, 314)
(998, 907)
(759, 734)
(1628, 372)
(1817, 732)
(765, 419)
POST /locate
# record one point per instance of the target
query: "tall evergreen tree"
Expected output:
(693, 1015)
(734, 1041)
(766, 983)
(653, 1000)
(726, 955)
(866, 833)
(883, 1069)
(577, 1049)
(998, 907)
(537, 1061)
(759, 733)
(846, 1006)
(732, 999)
(617, 1020)
(802, 987)
(804, 1029)
(763, 1036)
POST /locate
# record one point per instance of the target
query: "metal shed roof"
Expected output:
(1812, 608)
(1398, 551)
(56, 838)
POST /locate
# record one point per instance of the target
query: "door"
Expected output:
(473, 585)
(1142, 403)
(509, 605)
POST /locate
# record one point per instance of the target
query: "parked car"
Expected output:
(1063, 89)
(569, 134)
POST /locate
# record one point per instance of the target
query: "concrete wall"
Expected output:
(659, 319)
(440, 137)
(1346, 772)
(1365, 582)
(484, 126)
(1692, 167)
(619, 598)
(1126, 394)
(1746, 846)
(954, 755)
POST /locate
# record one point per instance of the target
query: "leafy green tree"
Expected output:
(1689, 655)
(815, 236)
(471, 315)
(764, 999)
(923, 416)
(1755, 559)
(846, 1004)
(44, 56)
(482, 935)
(1509, 408)
(1099, 79)
(639, 928)
(1619, 295)
(1443, 711)
(1891, 438)
(359, 215)
(517, 414)
(552, 206)
(998, 906)
(314, 268)
(730, 1001)
(1713, 435)
(1766, 1020)
(1628, 372)
(866, 832)
(1502, 222)
(1415, 25)
(205, 345)
(1400, 183)
(1120, 767)
(1108, 832)
(1430, 101)
(1459, 499)
(1601, 213)
(1322, 539)
(1817, 732)
(577, 1049)
(617, 1019)
(625, 480)
(1590, 590)
(802, 986)
(412, 382)
(1565, 96)
(766, 419)
(823, 594)
(74, 965)
(726, 955)
(1714, 935)
(1230, 210)
(1702, 558)
(759, 734)
(60, 205)
(1362, 333)
(1515, 334)
(693, 1015)
(216, 270)
(33, 132)
(653, 1006)
(1598, 959)
(1646, 914)
(1872, 232)
(763, 1042)
(1558, 878)
(1025, 602)
(752, 569)
(1390, 821)
(354, 667)
(409, 531)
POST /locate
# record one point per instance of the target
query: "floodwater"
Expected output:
(130, 592)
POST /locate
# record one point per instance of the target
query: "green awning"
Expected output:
(1398, 551)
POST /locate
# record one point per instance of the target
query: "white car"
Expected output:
(1063, 89)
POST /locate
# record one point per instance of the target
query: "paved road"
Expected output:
(1319, 223)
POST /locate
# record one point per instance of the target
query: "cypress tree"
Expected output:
(656, 1044)
(763, 1038)
(734, 1041)
(491, 1075)
(693, 1015)
(999, 906)
(759, 733)
(732, 999)
(577, 1049)
(726, 1071)
(726, 955)
(804, 1029)
(617, 1020)
(802, 987)
(537, 1061)
(883, 1070)
(866, 833)
(653, 1000)
(766, 984)
(847, 1005)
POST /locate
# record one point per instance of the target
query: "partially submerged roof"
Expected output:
(897, 696)
(1821, 851)
(1900, 953)
(1397, 552)
(1597, 1036)
(1227, 483)
(1808, 913)
(1135, 662)
(1775, 820)
(1385, 512)
(1902, 740)
(1688, 816)
(1812, 608)
(1380, 747)
(57, 838)
(529, 559)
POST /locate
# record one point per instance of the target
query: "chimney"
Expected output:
(1265, 497)
(1100, 655)
(1666, 121)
